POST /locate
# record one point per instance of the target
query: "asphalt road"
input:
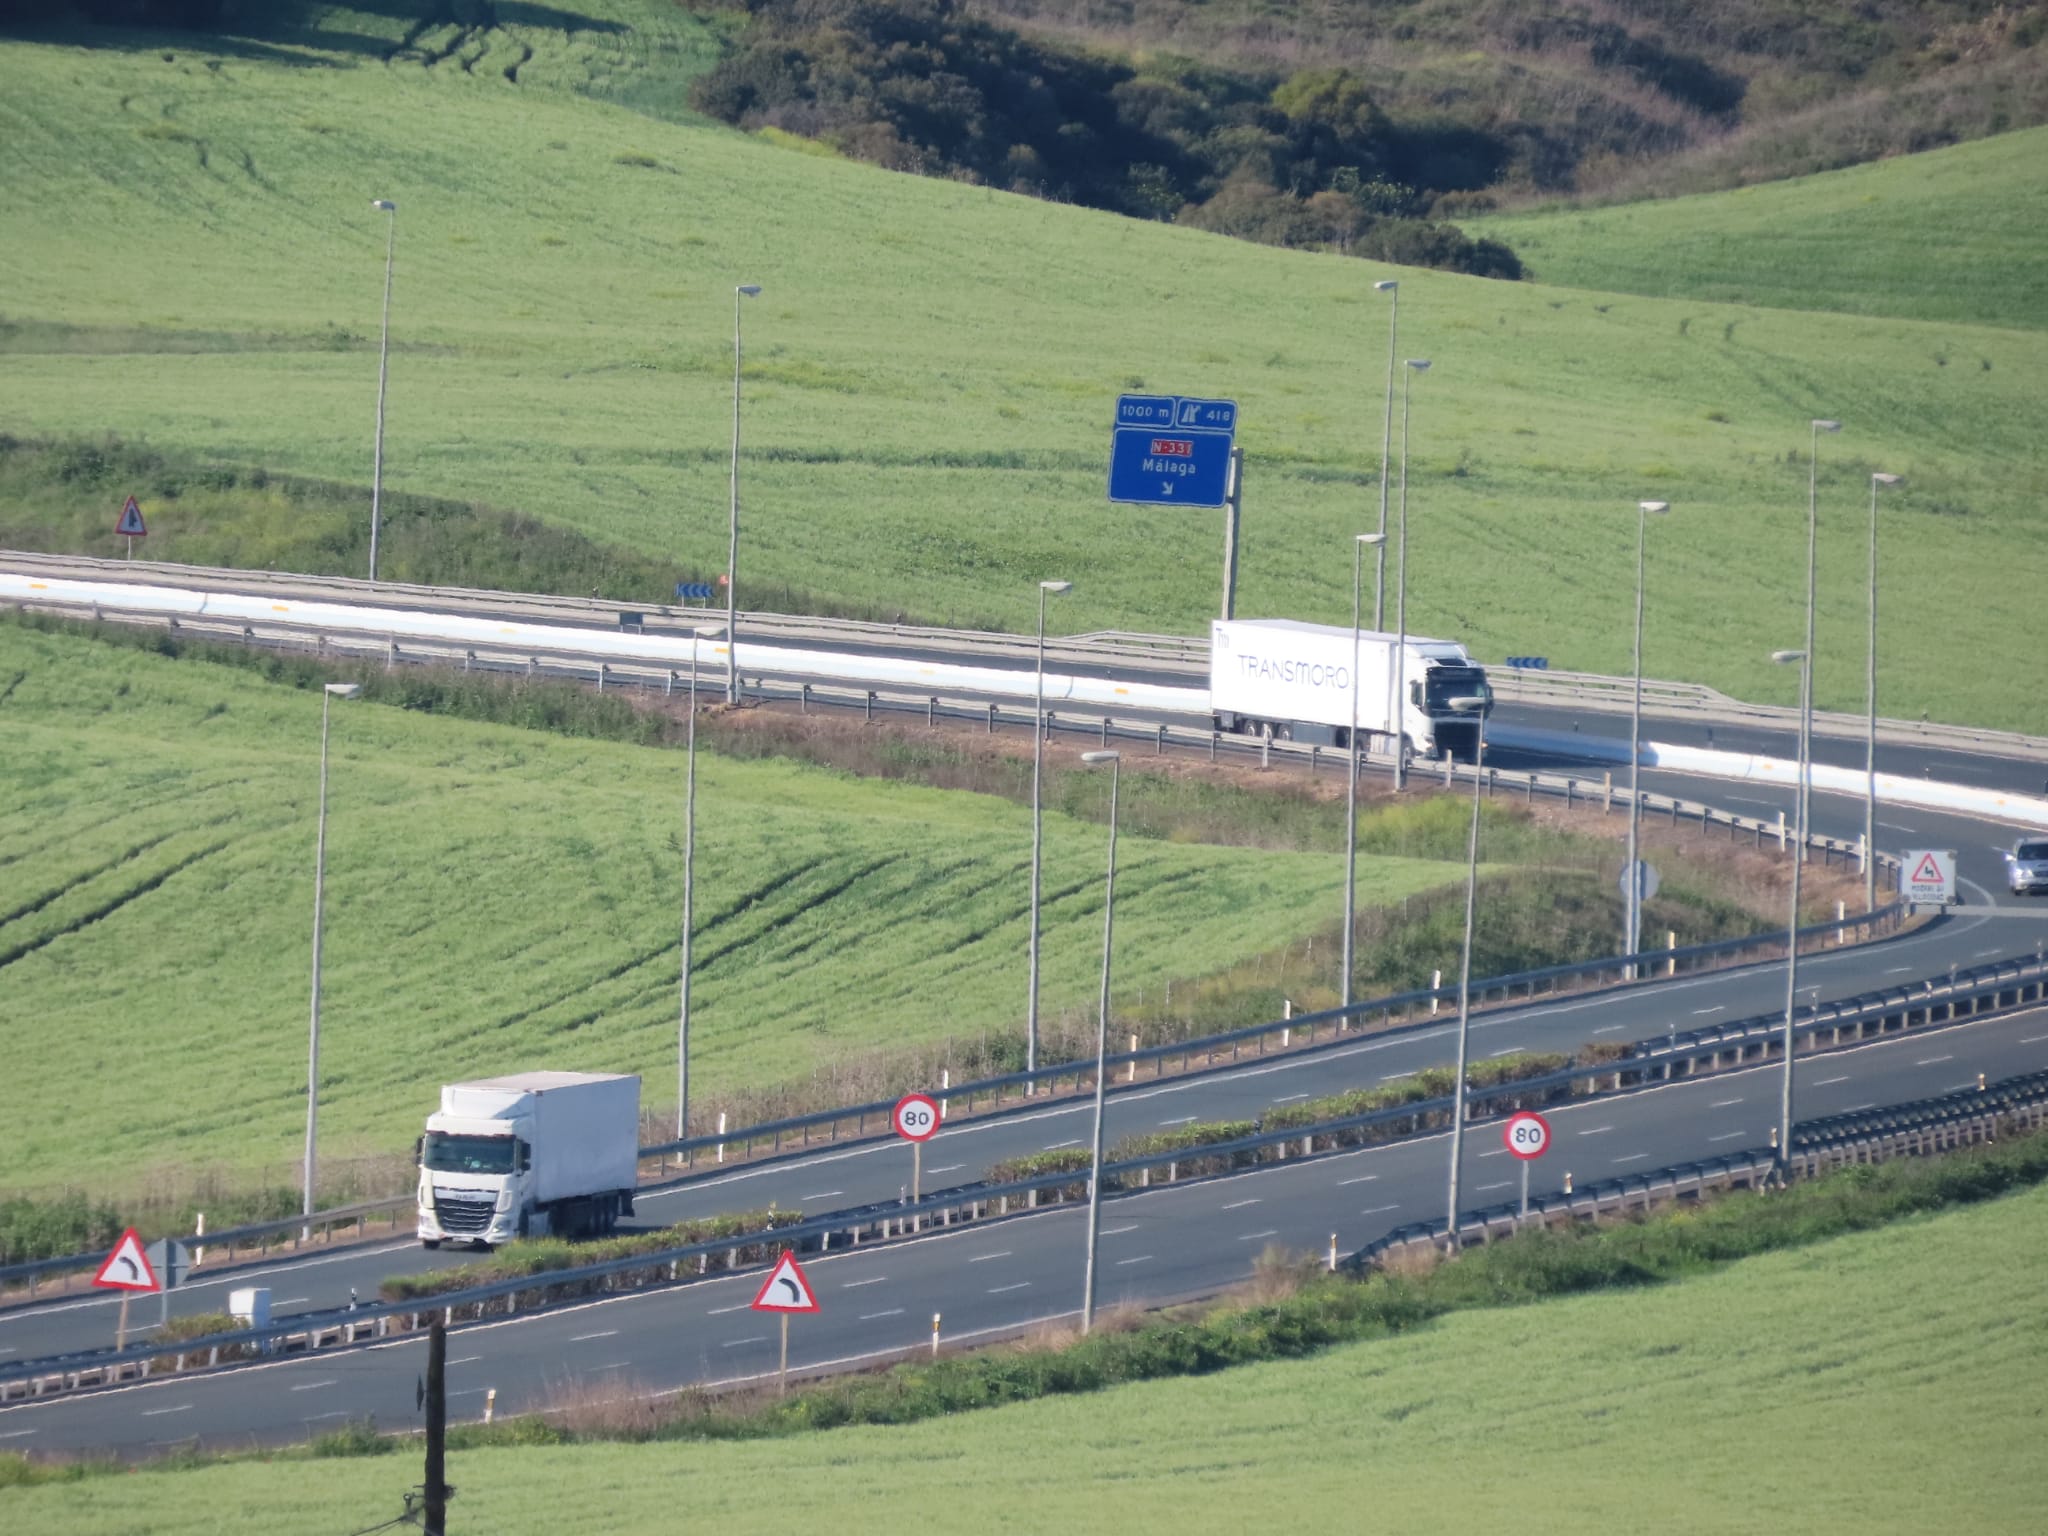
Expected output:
(998, 1278)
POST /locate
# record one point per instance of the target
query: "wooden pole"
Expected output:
(434, 1517)
(782, 1370)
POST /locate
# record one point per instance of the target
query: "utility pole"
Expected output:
(434, 1510)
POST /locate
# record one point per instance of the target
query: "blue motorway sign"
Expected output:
(700, 591)
(1170, 449)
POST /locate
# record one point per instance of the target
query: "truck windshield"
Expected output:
(1442, 684)
(468, 1154)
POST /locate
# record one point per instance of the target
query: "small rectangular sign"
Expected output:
(1207, 415)
(1927, 877)
(1145, 410)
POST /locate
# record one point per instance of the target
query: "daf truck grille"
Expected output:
(464, 1218)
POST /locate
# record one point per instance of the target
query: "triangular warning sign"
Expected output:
(131, 522)
(786, 1289)
(1929, 870)
(127, 1267)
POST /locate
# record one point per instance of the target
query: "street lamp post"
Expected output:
(1805, 663)
(1379, 574)
(1045, 588)
(1633, 900)
(1377, 541)
(1464, 990)
(382, 205)
(1398, 714)
(1812, 539)
(1115, 761)
(328, 695)
(732, 553)
(1870, 738)
(700, 632)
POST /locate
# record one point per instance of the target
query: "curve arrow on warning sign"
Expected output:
(787, 1289)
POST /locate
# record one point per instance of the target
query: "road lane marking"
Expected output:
(1608, 1029)
(1395, 1077)
(583, 1338)
(1598, 1130)
(1933, 1061)
(1825, 1081)
(1503, 1184)
(1898, 970)
(1238, 1205)
(157, 1413)
(869, 1317)
(310, 1386)
(983, 1258)
(1380, 1210)
(2032, 1039)
(315, 1418)
(1496, 1152)
(469, 1392)
(1131, 1226)
(1633, 1157)
(1143, 1258)
(466, 1360)
(16, 1434)
(997, 1290)
(1364, 1178)
(1702, 1012)
(721, 1311)
(759, 1338)
(1253, 1237)
(1723, 1103)
(949, 1168)
(1054, 1146)
(1730, 1136)
(1494, 1055)
(1895, 826)
(1289, 1098)
(827, 1194)
(1858, 1108)
(854, 1285)
(294, 1301)
(1178, 1120)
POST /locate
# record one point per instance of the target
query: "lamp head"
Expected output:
(1654, 506)
(1093, 758)
(344, 690)
(1785, 658)
(1385, 285)
(751, 290)
(1881, 478)
(1055, 587)
(1419, 364)
(1827, 426)
(384, 205)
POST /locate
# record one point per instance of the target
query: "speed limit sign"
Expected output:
(916, 1117)
(1527, 1135)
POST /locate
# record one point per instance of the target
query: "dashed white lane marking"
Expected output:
(1238, 1205)
(1895, 826)
(1503, 1184)
(1723, 1103)
(2032, 1039)
(759, 1338)
(1253, 1237)
(721, 1311)
(470, 1392)
(1730, 1136)
(983, 1258)
(293, 1301)
(466, 1360)
(1898, 970)
(1825, 1081)
(1054, 1146)
(1633, 1157)
(157, 1413)
(997, 1290)
(1380, 1210)
(16, 1434)
(1702, 1012)
(869, 1317)
(1608, 1029)
(1143, 1258)
(315, 1418)
(1178, 1120)
(854, 1285)
(1857, 1108)
(1933, 1061)
(827, 1194)
(314, 1386)
(584, 1338)
(1598, 1130)
(1496, 1152)
(1496, 1055)
(1290, 1098)
(1129, 1226)
(1364, 1178)
(949, 1168)
(1395, 1077)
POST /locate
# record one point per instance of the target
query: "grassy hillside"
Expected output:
(1953, 236)
(192, 259)
(501, 899)
(1703, 1406)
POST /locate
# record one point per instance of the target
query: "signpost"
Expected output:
(916, 1119)
(1647, 883)
(787, 1289)
(1171, 450)
(127, 1270)
(1527, 1136)
(695, 591)
(1929, 877)
(131, 525)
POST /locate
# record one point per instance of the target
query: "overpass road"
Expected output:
(1159, 1245)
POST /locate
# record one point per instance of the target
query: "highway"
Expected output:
(693, 1339)
(988, 1280)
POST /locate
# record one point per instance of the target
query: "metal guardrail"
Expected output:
(2002, 987)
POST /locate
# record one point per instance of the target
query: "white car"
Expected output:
(2026, 867)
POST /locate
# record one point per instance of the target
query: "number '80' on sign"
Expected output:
(916, 1117)
(1527, 1135)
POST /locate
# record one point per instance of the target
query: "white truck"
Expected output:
(530, 1154)
(1288, 680)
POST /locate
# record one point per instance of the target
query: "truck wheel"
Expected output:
(430, 1242)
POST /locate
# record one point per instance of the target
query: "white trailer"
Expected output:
(529, 1154)
(1293, 681)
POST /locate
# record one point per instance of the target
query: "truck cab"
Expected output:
(1437, 720)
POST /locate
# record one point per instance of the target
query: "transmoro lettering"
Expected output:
(1285, 669)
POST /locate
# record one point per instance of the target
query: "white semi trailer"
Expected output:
(1293, 681)
(530, 1154)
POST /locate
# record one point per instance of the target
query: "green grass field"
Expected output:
(1953, 235)
(932, 367)
(500, 899)
(1885, 1382)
